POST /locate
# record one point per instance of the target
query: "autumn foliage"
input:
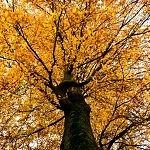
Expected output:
(106, 42)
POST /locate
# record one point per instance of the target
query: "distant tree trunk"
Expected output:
(78, 134)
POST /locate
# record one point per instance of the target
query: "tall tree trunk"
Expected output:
(78, 134)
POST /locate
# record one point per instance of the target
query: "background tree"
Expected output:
(106, 44)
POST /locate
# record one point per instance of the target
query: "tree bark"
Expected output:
(78, 134)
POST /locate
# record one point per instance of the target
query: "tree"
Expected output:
(74, 59)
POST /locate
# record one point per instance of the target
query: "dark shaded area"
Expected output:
(78, 134)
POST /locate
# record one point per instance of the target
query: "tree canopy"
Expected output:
(106, 42)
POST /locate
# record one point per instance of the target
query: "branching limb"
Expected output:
(21, 33)
(90, 78)
(126, 130)
(54, 49)
(42, 128)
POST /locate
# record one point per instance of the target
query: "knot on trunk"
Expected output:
(74, 101)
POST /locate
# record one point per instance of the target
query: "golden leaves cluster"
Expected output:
(77, 32)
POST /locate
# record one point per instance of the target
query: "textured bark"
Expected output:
(78, 134)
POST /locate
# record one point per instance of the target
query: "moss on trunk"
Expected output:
(78, 134)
